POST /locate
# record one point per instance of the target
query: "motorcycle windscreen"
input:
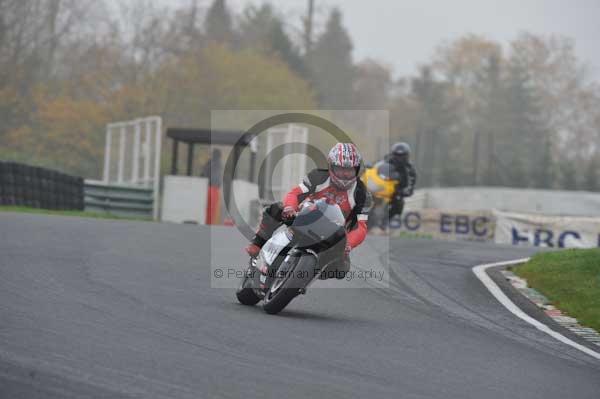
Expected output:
(387, 172)
(319, 223)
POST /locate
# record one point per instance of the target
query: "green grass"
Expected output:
(570, 279)
(406, 234)
(95, 215)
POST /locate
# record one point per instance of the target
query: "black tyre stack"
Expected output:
(30, 186)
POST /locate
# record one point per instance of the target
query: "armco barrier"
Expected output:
(30, 186)
(531, 201)
(118, 200)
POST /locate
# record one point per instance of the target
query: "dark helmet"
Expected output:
(401, 148)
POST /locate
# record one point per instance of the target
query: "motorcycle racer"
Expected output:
(399, 158)
(338, 184)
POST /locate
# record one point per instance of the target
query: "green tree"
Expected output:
(372, 85)
(545, 174)
(516, 172)
(255, 25)
(527, 135)
(331, 65)
(472, 69)
(433, 124)
(189, 87)
(219, 23)
(261, 28)
(564, 90)
(591, 175)
(493, 117)
(569, 175)
(283, 47)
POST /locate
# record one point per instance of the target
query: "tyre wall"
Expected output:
(35, 187)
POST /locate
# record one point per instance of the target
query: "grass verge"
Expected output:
(570, 279)
(96, 215)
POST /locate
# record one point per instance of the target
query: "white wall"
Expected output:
(244, 194)
(184, 199)
(547, 202)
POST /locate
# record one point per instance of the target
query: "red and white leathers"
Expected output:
(355, 202)
(338, 184)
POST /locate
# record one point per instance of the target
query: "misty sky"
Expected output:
(404, 33)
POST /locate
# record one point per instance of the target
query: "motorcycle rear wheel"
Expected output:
(246, 294)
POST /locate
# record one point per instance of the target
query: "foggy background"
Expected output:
(486, 94)
(405, 33)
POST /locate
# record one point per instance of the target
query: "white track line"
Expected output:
(480, 272)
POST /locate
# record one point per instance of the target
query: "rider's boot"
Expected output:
(252, 250)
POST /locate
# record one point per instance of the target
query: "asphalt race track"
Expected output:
(112, 309)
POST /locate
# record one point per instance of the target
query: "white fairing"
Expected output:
(273, 247)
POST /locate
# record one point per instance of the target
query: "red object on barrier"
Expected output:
(213, 205)
(228, 222)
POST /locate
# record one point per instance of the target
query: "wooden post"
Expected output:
(174, 156)
(190, 158)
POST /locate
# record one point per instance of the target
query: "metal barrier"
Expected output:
(118, 200)
(135, 158)
(417, 201)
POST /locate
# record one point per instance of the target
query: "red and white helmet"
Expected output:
(344, 164)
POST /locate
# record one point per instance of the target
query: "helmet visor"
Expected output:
(344, 173)
(401, 158)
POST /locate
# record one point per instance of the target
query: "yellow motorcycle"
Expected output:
(380, 179)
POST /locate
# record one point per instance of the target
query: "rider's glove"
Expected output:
(288, 213)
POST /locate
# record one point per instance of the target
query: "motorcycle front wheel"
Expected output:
(379, 215)
(287, 287)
